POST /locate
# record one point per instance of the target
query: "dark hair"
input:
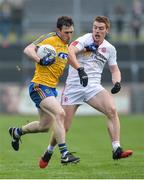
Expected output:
(103, 19)
(64, 21)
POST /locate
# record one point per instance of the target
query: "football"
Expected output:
(43, 50)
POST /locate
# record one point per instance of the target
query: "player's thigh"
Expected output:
(102, 101)
(51, 106)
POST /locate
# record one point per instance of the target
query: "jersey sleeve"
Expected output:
(39, 40)
(81, 42)
(44, 39)
(113, 56)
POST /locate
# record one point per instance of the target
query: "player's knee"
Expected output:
(61, 114)
(111, 113)
(43, 129)
(44, 126)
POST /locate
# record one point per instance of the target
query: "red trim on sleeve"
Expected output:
(74, 43)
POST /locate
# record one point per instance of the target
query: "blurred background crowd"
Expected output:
(22, 21)
(11, 19)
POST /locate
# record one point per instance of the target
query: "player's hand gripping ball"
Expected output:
(47, 53)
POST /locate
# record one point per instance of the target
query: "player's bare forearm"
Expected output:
(116, 77)
(72, 60)
(116, 74)
(75, 64)
(30, 51)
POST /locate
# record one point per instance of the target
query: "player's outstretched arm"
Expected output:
(116, 79)
(75, 64)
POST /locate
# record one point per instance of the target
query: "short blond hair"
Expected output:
(103, 19)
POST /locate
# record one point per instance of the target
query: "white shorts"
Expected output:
(78, 94)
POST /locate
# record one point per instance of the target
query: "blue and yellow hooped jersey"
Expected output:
(49, 75)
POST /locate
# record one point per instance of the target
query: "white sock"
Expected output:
(16, 133)
(50, 148)
(115, 145)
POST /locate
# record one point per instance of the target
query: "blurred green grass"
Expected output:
(88, 137)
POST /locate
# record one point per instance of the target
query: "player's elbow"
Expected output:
(28, 49)
(72, 49)
(25, 50)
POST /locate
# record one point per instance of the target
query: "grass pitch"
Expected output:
(88, 137)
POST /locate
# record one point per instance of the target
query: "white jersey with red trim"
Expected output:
(93, 62)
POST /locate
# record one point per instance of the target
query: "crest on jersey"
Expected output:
(47, 91)
(103, 49)
(65, 98)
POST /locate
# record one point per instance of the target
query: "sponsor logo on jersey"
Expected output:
(63, 55)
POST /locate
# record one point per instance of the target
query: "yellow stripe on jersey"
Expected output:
(49, 75)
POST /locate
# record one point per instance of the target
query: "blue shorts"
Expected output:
(38, 92)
